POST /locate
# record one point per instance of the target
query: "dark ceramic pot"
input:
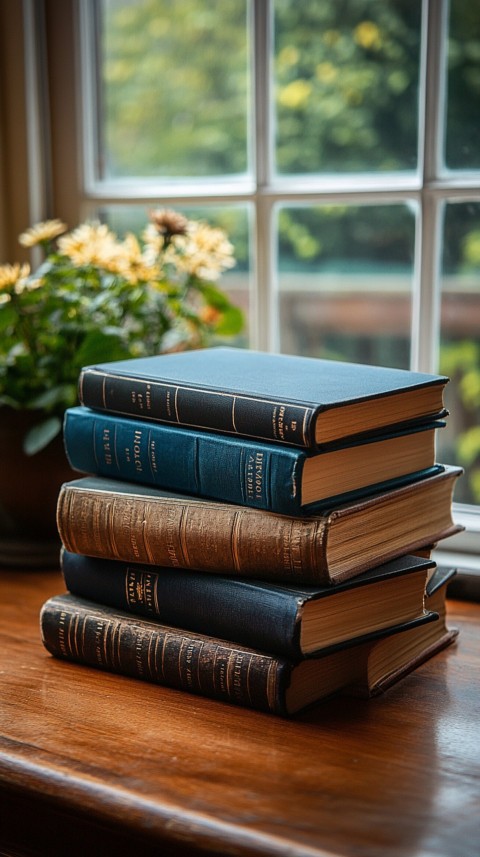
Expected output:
(29, 487)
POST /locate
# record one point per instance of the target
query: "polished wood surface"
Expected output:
(97, 761)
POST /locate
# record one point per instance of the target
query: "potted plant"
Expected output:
(95, 297)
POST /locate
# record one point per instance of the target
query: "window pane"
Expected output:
(345, 278)
(173, 78)
(235, 220)
(463, 102)
(460, 344)
(346, 81)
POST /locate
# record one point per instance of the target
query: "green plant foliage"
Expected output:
(461, 362)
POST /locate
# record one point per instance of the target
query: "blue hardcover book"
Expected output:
(295, 621)
(237, 470)
(297, 401)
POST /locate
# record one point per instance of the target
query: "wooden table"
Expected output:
(92, 763)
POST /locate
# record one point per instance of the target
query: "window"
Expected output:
(339, 146)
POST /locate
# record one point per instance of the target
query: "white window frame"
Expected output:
(428, 188)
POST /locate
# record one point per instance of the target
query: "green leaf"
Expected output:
(214, 297)
(8, 315)
(469, 446)
(100, 347)
(51, 397)
(231, 322)
(38, 437)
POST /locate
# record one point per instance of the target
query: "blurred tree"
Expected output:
(174, 88)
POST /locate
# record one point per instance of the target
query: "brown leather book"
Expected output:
(120, 520)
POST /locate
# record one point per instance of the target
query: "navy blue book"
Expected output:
(265, 476)
(296, 401)
(295, 621)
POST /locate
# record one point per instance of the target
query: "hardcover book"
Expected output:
(288, 620)
(120, 520)
(87, 633)
(237, 470)
(292, 400)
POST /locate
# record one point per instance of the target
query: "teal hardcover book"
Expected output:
(296, 401)
(266, 476)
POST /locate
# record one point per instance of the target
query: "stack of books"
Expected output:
(255, 527)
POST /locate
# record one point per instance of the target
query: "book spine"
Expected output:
(232, 470)
(81, 632)
(281, 421)
(216, 605)
(198, 535)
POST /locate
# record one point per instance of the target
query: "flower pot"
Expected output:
(29, 487)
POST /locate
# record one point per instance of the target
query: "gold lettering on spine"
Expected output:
(139, 653)
(171, 524)
(98, 641)
(214, 668)
(137, 450)
(107, 447)
(254, 475)
(152, 454)
(61, 634)
(237, 676)
(186, 659)
(296, 548)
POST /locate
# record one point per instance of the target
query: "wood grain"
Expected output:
(98, 758)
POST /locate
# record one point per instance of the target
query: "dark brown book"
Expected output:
(93, 635)
(120, 520)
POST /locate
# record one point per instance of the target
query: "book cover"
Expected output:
(88, 633)
(136, 523)
(289, 620)
(292, 400)
(237, 470)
